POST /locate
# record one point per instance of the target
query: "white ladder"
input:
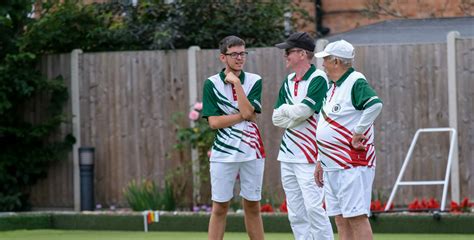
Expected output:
(444, 182)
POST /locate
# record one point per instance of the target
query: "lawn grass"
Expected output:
(126, 235)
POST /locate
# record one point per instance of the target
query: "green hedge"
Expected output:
(386, 223)
(390, 223)
(25, 221)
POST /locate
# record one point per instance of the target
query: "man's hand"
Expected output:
(253, 118)
(358, 141)
(232, 79)
(318, 175)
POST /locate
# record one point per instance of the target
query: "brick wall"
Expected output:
(345, 15)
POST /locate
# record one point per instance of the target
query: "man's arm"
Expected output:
(297, 112)
(289, 116)
(215, 117)
(365, 99)
(217, 122)
(246, 109)
(280, 120)
(367, 119)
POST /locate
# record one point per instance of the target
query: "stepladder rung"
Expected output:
(408, 183)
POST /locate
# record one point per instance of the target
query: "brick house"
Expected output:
(337, 16)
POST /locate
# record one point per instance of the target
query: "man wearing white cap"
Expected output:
(296, 110)
(345, 138)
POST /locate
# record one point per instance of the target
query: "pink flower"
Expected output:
(198, 106)
(209, 153)
(193, 115)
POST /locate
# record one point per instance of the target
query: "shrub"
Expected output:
(27, 146)
(148, 196)
(200, 137)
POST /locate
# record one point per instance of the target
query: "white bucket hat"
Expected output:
(339, 48)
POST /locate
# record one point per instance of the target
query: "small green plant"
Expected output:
(198, 136)
(148, 196)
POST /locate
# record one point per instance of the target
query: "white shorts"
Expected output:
(223, 176)
(349, 191)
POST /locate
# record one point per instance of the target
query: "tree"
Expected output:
(26, 147)
(154, 25)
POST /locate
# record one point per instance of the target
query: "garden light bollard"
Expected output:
(86, 166)
(150, 217)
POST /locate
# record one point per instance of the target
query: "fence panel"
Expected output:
(411, 80)
(465, 86)
(57, 189)
(127, 100)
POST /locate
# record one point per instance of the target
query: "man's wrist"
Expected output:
(358, 130)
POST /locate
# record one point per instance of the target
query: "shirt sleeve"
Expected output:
(282, 95)
(281, 119)
(316, 92)
(363, 96)
(209, 101)
(298, 112)
(255, 96)
(368, 117)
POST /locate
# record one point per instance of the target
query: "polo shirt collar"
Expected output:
(308, 73)
(241, 76)
(344, 76)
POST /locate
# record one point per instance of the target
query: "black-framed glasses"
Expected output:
(289, 51)
(234, 55)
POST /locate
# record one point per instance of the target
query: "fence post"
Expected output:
(192, 86)
(453, 111)
(320, 44)
(76, 125)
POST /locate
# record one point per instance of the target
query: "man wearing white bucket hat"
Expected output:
(345, 138)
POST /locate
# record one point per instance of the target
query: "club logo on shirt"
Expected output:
(336, 108)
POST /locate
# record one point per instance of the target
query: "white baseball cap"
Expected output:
(339, 48)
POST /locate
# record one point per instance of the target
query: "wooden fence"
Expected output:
(56, 191)
(127, 100)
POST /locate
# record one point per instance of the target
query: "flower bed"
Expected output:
(423, 205)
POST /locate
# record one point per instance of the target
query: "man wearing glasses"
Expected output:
(231, 100)
(296, 110)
